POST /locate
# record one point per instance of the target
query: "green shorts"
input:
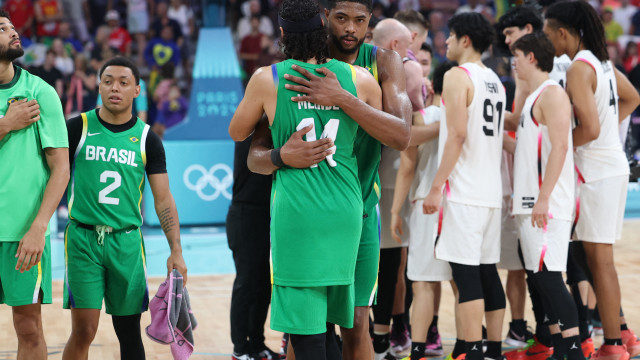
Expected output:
(115, 271)
(17, 289)
(306, 310)
(366, 275)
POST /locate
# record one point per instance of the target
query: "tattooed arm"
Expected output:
(168, 215)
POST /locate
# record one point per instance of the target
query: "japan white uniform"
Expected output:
(421, 262)
(473, 193)
(602, 163)
(541, 246)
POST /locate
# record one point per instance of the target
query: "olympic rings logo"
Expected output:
(209, 178)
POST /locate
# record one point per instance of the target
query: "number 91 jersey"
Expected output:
(108, 175)
(476, 178)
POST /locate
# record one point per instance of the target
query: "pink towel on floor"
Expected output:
(172, 321)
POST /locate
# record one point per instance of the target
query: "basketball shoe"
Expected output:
(611, 352)
(534, 351)
(630, 340)
(236, 356)
(460, 357)
(434, 343)
(588, 348)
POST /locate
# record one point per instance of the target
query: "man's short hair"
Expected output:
(476, 27)
(121, 61)
(426, 47)
(520, 17)
(412, 18)
(539, 44)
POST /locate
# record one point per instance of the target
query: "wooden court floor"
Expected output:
(211, 296)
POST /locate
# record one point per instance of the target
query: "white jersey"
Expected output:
(533, 146)
(475, 179)
(389, 165)
(559, 73)
(603, 157)
(427, 162)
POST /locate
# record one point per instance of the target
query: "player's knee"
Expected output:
(467, 278)
(84, 333)
(494, 298)
(28, 329)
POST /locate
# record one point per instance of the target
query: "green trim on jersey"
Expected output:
(316, 213)
(108, 174)
(368, 150)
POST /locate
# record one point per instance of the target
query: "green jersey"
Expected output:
(24, 170)
(316, 213)
(108, 174)
(367, 148)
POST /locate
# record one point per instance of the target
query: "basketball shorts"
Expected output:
(509, 258)
(114, 270)
(550, 247)
(307, 310)
(366, 275)
(386, 241)
(602, 205)
(422, 264)
(470, 234)
(16, 288)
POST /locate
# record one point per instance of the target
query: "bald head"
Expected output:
(392, 34)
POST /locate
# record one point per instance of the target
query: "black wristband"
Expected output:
(276, 159)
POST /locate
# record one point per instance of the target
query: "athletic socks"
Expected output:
(434, 322)
(417, 350)
(584, 319)
(398, 322)
(559, 350)
(612, 342)
(380, 342)
(474, 351)
(623, 327)
(459, 348)
(543, 335)
(573, 348)
(494, 349)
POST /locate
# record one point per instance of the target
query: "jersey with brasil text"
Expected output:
(316, 213)
(368, 149)
(23, 166)
(108, 175)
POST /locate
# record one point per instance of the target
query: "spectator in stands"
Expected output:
(244, 25)
(614, 56)
(96, 10)
(161, 90)
(377, 11)
(436, 23)
(635, 24)
(612, 29)
(100, 49)
(172, 111)
(49, 73)
(63, 62)
(630, 57)
(162, 21)
(439, 48)
(72, 45)
(22, 15)
(49, 14)
(75, 12)
(160, 51)
(409, 5)
(623, 15)
(138, 23)
(251, 47)
(181, 13)
(82, 92)
(119, 37)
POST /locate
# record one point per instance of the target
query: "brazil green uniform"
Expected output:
(24, 173)
(316, 214)
(368, 152)
(104, 249)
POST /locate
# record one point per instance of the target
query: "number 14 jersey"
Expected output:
(476, 178)
(108, 175)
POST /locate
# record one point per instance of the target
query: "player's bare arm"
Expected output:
(421, 133)
(368, 89)
(552, 109)
(581, 83)
(32, 243)
(254, 104)
(391, 126)
(628, 97)
(168, 215)
(413, 72)
(512, 118)
(404, 177)
(20, 114)
(457, 93)
(509, 144)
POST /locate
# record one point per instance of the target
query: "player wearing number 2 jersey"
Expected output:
(111, 153)
(316, 212)
(472, 119)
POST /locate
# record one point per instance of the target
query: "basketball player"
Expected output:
(322, 202)
(602, 97)
(347, 22)
(35, 171)
(111, 151)
(543, 187)
(418, 165)
(469, 172)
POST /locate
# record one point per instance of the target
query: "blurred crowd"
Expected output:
(67, 41)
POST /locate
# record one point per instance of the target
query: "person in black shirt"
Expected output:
(49, 73)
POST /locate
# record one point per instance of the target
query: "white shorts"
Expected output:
(386, 241)
(509, 257)
(602, 206)
(138, 23)
(470, 234)
(550, 247)
(422, 264)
